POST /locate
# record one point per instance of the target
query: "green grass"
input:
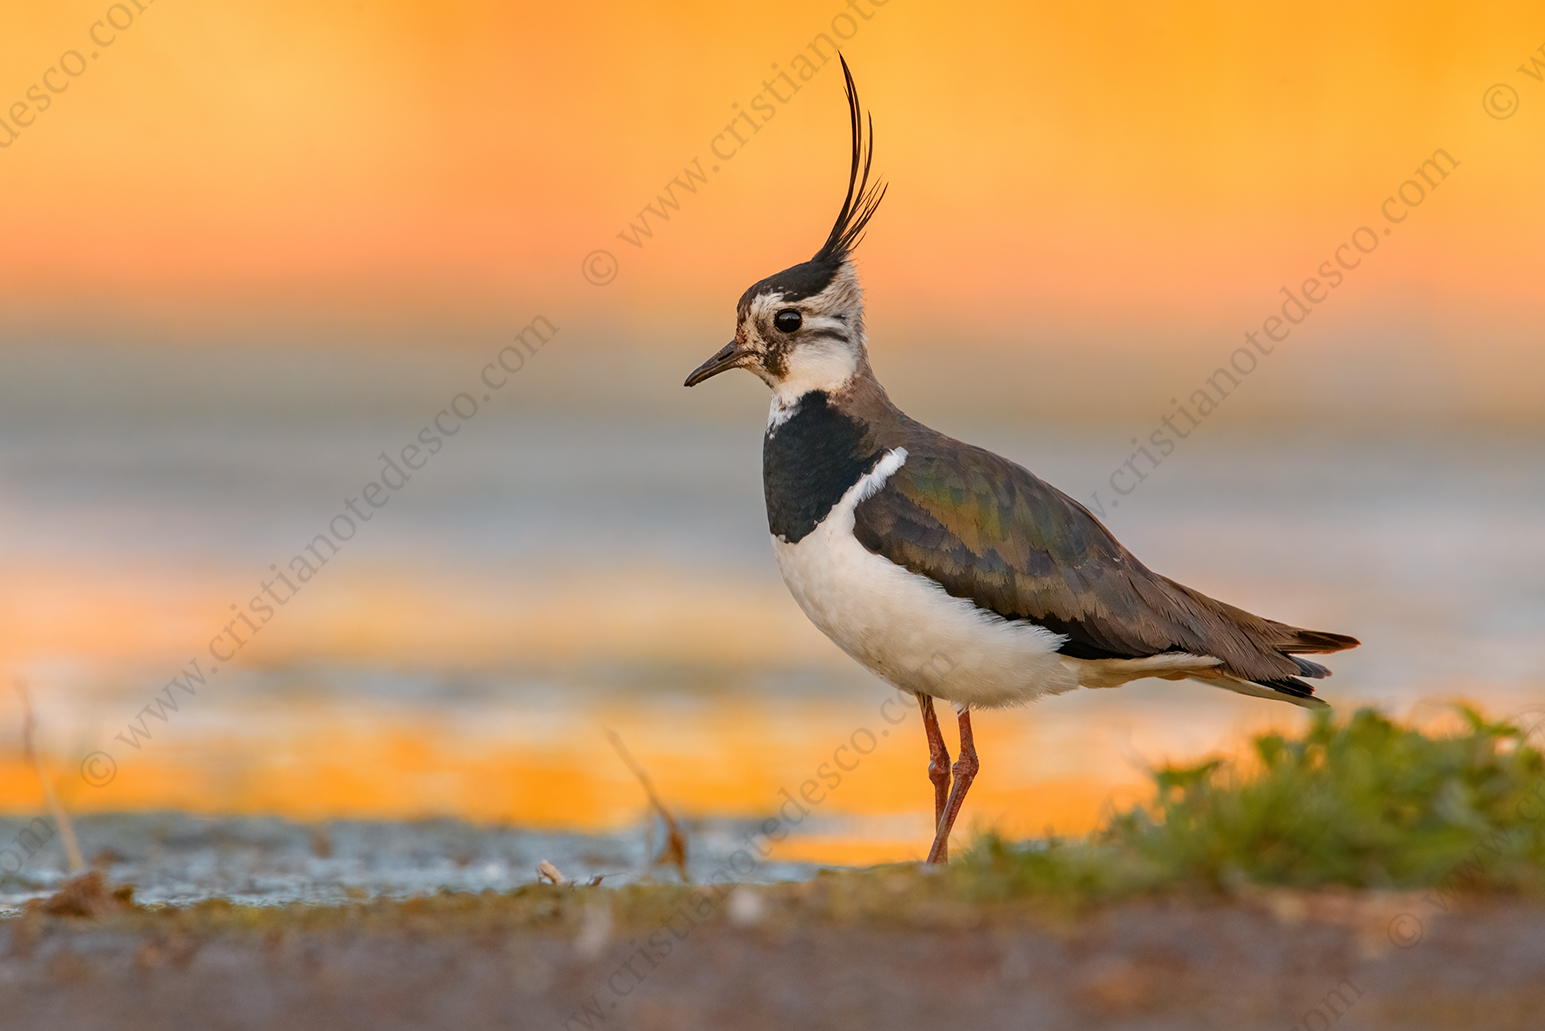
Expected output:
(1361, 802)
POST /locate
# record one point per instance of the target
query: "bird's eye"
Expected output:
(787, 320)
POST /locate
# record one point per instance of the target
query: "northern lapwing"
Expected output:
(947, 570)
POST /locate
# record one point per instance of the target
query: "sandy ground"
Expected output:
(785, 957)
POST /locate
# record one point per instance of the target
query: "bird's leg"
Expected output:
(965, 772)
(938, 758)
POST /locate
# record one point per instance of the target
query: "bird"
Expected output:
(951, 572)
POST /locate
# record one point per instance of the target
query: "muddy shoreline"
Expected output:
(798, 955)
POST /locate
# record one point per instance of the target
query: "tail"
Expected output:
(1290, 642)
(1283, 689)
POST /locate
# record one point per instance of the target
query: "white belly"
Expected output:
(905, 628)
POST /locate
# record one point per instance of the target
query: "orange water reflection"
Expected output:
(1056, 767)
(747, 701)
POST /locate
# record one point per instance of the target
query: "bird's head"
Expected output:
(803, 328)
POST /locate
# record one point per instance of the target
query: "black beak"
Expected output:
(725, 358)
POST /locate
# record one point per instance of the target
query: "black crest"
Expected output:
(858, 207)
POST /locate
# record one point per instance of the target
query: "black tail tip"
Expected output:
(1292, 686)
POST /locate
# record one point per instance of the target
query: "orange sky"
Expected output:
(221, 169)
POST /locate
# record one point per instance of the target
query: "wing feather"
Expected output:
(989, 530)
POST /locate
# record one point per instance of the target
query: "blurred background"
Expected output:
(245, 250)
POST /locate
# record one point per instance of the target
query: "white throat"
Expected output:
(829, 367)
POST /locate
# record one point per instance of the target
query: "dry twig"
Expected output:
(675, 851)
(61, 818)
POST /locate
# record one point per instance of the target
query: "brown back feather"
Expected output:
(989, 530)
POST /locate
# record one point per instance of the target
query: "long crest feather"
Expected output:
(863, 197)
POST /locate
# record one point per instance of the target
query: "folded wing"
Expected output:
(989, 530)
